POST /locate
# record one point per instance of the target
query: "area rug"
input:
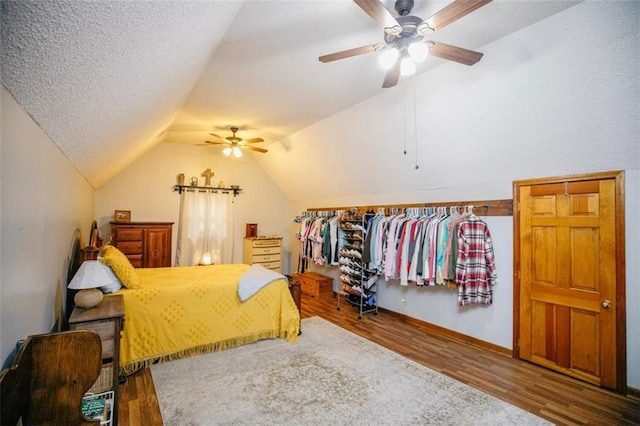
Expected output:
(329, 377)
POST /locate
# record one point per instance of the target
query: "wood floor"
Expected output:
(557, 398)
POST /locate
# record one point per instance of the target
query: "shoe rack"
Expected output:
(358, 284)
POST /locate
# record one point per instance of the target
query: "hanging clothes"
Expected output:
(475, 265)
(420, 246)
(319, 237)
(433, 247)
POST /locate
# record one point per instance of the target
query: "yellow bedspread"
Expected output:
(184, 311)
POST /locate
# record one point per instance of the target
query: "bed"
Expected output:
(176, 312)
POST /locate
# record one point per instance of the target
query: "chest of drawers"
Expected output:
(146, 244)
(265, 251)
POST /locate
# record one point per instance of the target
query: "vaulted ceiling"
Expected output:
(109, 80)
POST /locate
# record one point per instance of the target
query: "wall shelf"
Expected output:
(480, 207)
(181, 188)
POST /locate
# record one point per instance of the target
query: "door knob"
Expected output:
(606, 304)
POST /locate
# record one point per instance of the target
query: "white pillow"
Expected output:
(114, 284)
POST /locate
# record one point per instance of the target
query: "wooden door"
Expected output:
(569, 276)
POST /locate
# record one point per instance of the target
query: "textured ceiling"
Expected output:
(108, 80)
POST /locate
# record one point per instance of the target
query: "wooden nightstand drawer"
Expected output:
(106, 331)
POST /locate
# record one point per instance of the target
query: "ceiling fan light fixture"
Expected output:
(424, 29)
(237, 152)
(388, 58)
(407, 67)
(227, 151)
(418, 51)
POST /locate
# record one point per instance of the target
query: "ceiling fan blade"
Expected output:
(376, 10)
(217, 143)
(255, 148)
(254, 140)
(216, 136)
(453, 12)
(393, 75)
(454, 53)
(350, 52)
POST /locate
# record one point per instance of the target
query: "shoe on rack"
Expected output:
(371, 281)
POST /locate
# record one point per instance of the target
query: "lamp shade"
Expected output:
(92, 274)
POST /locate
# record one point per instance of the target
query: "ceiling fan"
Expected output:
(404, 42)
(235, 144)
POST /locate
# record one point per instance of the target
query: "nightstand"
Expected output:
(107, 320)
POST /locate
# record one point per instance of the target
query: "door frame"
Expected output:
(621, 311)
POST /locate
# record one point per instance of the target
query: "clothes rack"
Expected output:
(502, 207)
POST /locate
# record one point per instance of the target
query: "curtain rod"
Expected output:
(485, 207)
(181, 188)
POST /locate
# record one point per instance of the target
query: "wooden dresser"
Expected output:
(265, 251)
(146, 244)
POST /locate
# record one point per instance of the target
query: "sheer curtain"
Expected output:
(205, 227)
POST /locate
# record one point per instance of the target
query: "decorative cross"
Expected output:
(208, 174)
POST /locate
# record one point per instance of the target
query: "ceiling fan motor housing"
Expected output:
(233, 139)
(409, 33)
(403, 7)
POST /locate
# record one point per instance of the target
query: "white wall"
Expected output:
(45, 201)
(632, 234)
(557, 98)
(145, 188)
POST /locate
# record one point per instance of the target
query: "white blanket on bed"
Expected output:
(254, 279)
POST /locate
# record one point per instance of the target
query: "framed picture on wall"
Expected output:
(122, 216)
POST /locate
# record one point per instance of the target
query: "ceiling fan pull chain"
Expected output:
(415, 122)
(405, 126)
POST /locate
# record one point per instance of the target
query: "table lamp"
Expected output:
(91, 275)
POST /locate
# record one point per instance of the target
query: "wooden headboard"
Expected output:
(75, 260)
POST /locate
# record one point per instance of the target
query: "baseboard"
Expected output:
(633, 392)
(449, 333)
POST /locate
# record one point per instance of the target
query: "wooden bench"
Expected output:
(49, 377)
